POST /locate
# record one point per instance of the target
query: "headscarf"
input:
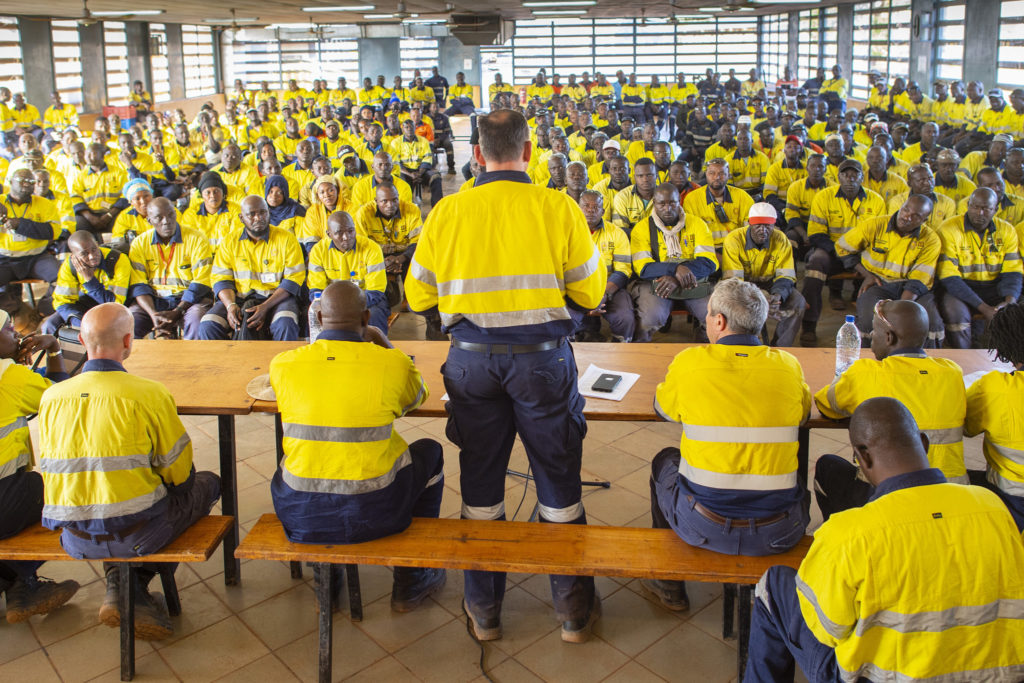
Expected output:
(134, 186)
(327, 180)
(289, 208)
(212, 179)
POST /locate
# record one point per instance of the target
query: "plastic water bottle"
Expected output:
(314, 322)
(847, 345)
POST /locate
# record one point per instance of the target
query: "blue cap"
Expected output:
(851, 318)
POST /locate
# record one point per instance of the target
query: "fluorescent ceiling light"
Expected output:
(725, 10)
(291, 26)
(423, 21)
(690, 16)
(557, 12)
(239, 20)
(341, 8)
(786, 2)
(378, 16)
(558, 3)
(129, 12)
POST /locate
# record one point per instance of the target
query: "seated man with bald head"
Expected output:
(921, 583)
(117, 465)
(347, 476)
(932, 389)
(90, 276)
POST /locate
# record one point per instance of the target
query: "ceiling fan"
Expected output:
(87, 19)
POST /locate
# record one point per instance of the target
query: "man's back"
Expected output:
(922, 581)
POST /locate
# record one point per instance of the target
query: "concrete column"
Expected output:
(94, 72)
(922, 43)
(844, 36)
(379, 56)
(218, 61)
(175, 62)
(137, 35)
(37, 61)
(794, 32)
(454, 57)
(981, 42)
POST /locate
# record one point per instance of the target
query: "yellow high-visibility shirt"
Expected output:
(258, 267)
(890, 256)
(364, 190)
(460, 91)
(836, 85)
(743, 259)
(338, 95)
(179, 269)
(395, 235)
(137, 446)
(942, 208)
(493, 89)
(833, 215)
(978, 257)
(748, 173)
(888, 187)
(27, 118)
(20, 391)
(634, 95)
(466, 265)
(214, 226)
(183, 159)
(543, 92)
(735, 206)
(679, 94)
(799, 198)
(411, 155)
(98, 190)
(286, 146)
(973, 113)
(616, 253)
(59, 119)
(629, 208)
(1011, 209)
(110, 282)
(695, 242)
(779, 177)
(994, 408)
(918, 585)
(39, 224)
(362, 264)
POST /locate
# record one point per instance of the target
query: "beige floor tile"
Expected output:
(634, 673)
(388, 669)
(266, 668)
(509, 671)
(34, 667)
(676, 653)
(614, 506)
(214, 652)
(375, 582)
(524, 621)
(552, 659)
(90, 653)
(450, 597)
(254, 502)
(260, 581)
(148, 669)
(16, 640)
(700, 595)
(605, 432)
(447, 654)
(283, 618)
(247, 477)
(645, 444)
(77, 615)
(709, 620)
(639, 482)
(393, 630)
(353, 651)
(200, 608)
(632, 624)
(608, 463)
(265, 465)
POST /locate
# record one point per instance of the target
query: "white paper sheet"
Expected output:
(593, 373)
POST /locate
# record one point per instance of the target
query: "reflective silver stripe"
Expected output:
(264, 278)
(436, 479)
(422, 274)
(78, 513)
(785, 272)
(222, 271)
(507, 319)
(815, 219)
(872, 672)
(744, 482)
(141, 267)
(584, 270)
(726, 274)
(14, 464)
(119, 291)
(622, 259)
(315, 268)
(375, 268)
(285, 314)
(14, 253)
(336, 434)
(982, 268)
(703, 249)
(219, 320)
(416, 401)
(415, 232)
(202, 262)
(720, 434)
(943, 620)
(347, 487)
(661, 411)
(944, 437)
(843, 244)
(834, 629)
(815, 275)
(172, 455)
(109, 463)
(833, 403)
(479, 512)
(19, 423)
(292, 270)
(958, 327)
(761, 592)
(1014, 488)
(65, 291)
(561, 515)
(1013, 454)
(498, 283)
(638, 255)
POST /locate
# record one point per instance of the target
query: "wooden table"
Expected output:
(210, 377)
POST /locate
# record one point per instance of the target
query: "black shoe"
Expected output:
(152, 622)
(837, 302)
(37, 596)
(671, 594)
(483, 629)
(407, 597)
(579, 630)
(808, 338)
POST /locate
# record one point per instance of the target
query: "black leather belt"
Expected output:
(719, 519)
(507, 349)
(107, 538)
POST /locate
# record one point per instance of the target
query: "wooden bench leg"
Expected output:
(27, 288)
(745, 592)
(170, 587)
(229, 497)
(728, 608)
(355, 596)
(126, 605)
(296, 567)
(324, 600)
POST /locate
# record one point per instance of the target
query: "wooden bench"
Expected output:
(524, 547)
(27, 288)
(195, 545)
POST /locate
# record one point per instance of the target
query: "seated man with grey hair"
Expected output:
(732, 486)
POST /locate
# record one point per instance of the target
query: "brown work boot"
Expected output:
(579, 630)
(406, 596)
(488, 628)
(37, 596)
(151, 619)
(110, 610)
(26, 320)
(837, 302)
(671, 594)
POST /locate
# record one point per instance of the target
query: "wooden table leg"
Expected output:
(229, 497)
(126, 605)
(324, 601)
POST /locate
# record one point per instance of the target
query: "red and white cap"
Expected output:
(762, 213)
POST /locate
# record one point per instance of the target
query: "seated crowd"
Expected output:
(254, 219)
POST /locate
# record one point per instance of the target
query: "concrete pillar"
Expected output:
(94, 72)
(175, 61)
(137, 35)
(844, 37)
(981, 42)
(922, 43)
(455, 57)
(37, 61)
(218, 61)
(379, 56)
(794, 33)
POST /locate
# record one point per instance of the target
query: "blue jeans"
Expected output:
(492, 398)
(779, 637)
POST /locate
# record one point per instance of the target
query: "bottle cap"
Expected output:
(851, 318)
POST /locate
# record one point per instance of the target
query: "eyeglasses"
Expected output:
(878, 312)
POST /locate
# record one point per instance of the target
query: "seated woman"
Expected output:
(328, 196)
(285, 212)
